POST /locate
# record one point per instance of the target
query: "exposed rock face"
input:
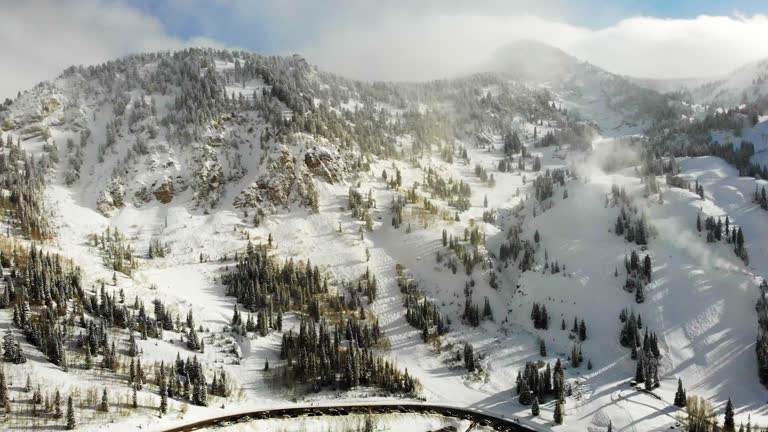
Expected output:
(322, 163)
(285, 181)
(142, 195)
(150, 143)
(164, 193)
(113, 197)
(208, 178)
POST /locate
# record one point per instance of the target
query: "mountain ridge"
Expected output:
(459, 229)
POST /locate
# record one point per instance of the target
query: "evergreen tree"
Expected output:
(57, 413)
(647, 268)
(558, 412)
(525, 393)
(163, 397)
(640, 370)
(88, 358)
(9, 347)
(680, 394)
(104, 405)
(640, 294)
(21, 358)
(71, 422)
(469, 357)
(4, 399)
(535, 407)
(729, 425)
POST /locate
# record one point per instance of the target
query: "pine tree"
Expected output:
(535, 407)
(575, 356)
(729, 425)
(235, 316)
(647, 268)
(104, 405)
(139, 375)
(4, 399)
(71, 423)
(9, 347)
(163, 397)
(639, 294)
(525, 393)
(680, 394)
(469, 357)
(558, 412)
(133, 349)
(640, 370)
(57, 405)
(88, 358)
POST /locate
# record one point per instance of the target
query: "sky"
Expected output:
(387, 40)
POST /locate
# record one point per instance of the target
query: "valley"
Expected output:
(253, 233)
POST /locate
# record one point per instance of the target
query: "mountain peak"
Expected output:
(529, 59)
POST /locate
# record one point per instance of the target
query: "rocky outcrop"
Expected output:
(285, 181)
(113, 197)
(164, 193)
(324, 163)
(208, 177)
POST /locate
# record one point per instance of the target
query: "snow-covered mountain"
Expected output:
(466, 230)
(749, 83)
(136, 132)
(619, 105)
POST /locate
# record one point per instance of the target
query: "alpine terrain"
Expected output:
(195, 233)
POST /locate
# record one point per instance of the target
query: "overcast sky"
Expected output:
(395, 39)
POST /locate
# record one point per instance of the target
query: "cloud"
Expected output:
(404, 46)
(392, 40)
(676, 48)
(419, 48)
(40, 38)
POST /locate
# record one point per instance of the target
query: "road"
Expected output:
(479, 417)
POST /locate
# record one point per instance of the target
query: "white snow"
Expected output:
(701, 301)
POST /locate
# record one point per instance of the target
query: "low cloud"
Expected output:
(40, 38)
(676, 48)
(394, 40)
(422, 46)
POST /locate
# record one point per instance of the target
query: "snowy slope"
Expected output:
(746, 84)
(616, 103)
(757, 135)
(701, 300)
